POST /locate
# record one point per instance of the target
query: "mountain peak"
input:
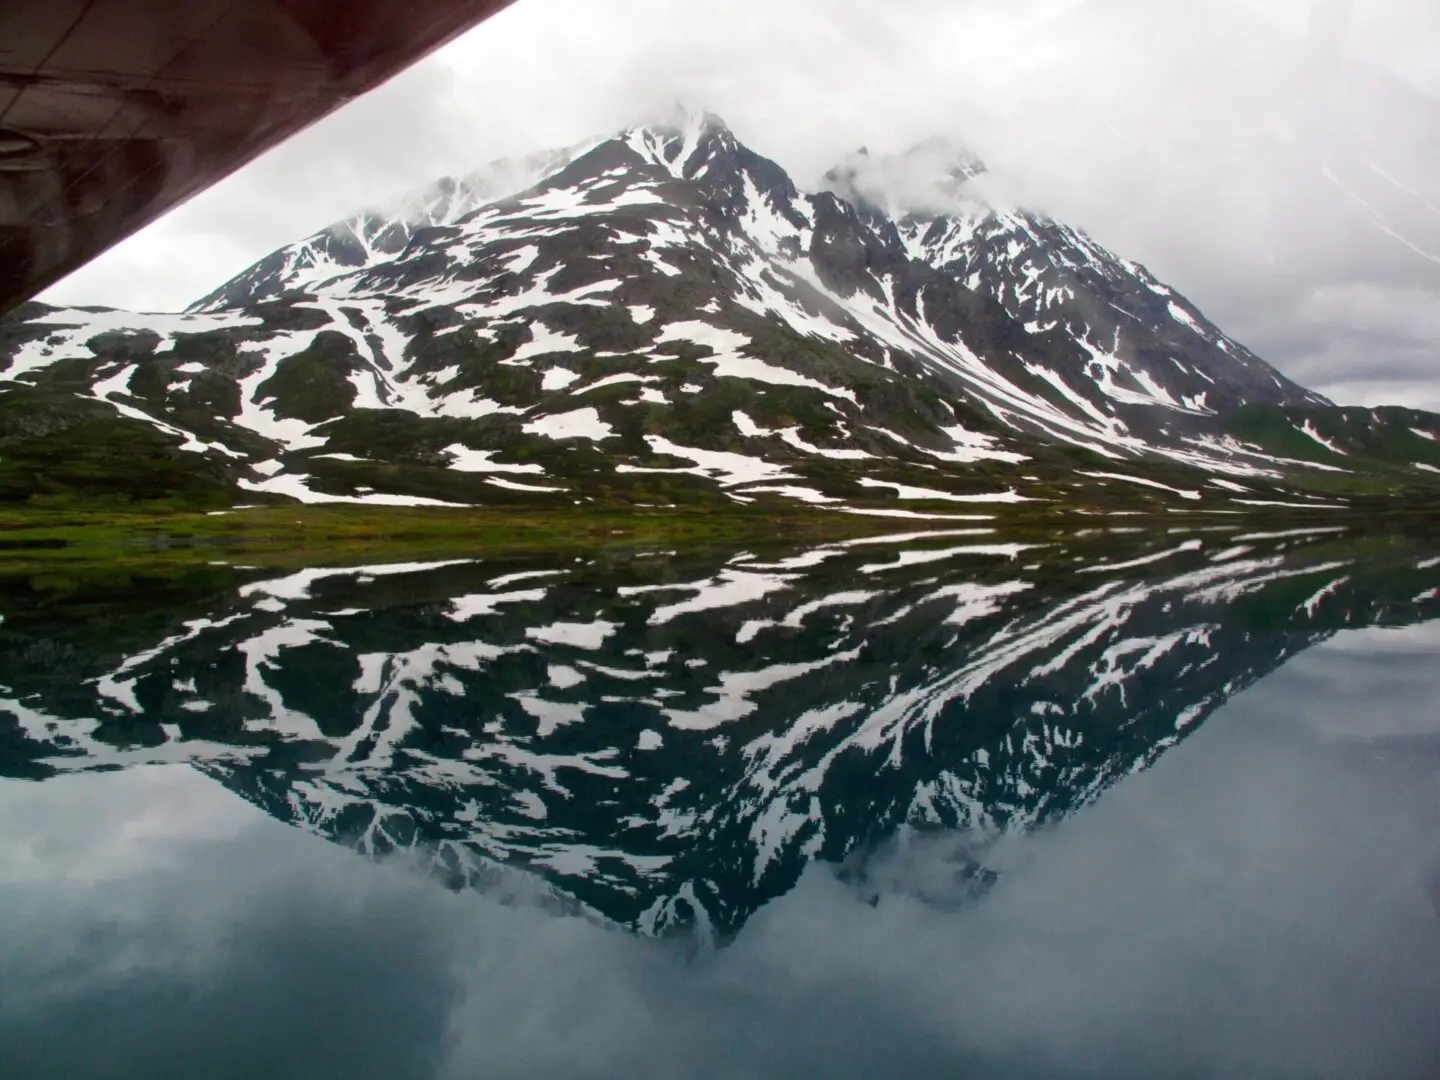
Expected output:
(685, 118)
(681, 139)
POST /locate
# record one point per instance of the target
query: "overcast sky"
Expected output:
(1276, 160)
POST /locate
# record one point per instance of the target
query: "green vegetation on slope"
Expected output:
(61, 450)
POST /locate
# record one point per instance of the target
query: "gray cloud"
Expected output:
(1263, 169)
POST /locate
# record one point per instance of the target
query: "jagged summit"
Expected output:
(687, 142)
(685, 120)
(662, 315)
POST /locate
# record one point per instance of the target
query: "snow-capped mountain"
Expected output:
(663, 315)
(661, 741)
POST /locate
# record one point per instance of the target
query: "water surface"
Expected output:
(1108, 803)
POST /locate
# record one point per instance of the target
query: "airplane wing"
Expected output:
(114, 111)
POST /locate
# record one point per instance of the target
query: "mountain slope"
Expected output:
(1053, 278)
(664, 316)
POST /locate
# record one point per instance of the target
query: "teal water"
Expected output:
(1107, 803)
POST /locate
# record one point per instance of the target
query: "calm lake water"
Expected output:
(1100, 804)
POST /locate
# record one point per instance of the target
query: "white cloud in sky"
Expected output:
(1208, 140)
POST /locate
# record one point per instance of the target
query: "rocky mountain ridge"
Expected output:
(662, 317)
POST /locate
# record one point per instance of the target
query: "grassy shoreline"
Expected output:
(285, 536)
(293, 536)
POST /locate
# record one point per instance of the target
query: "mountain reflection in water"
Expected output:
(663, 742)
